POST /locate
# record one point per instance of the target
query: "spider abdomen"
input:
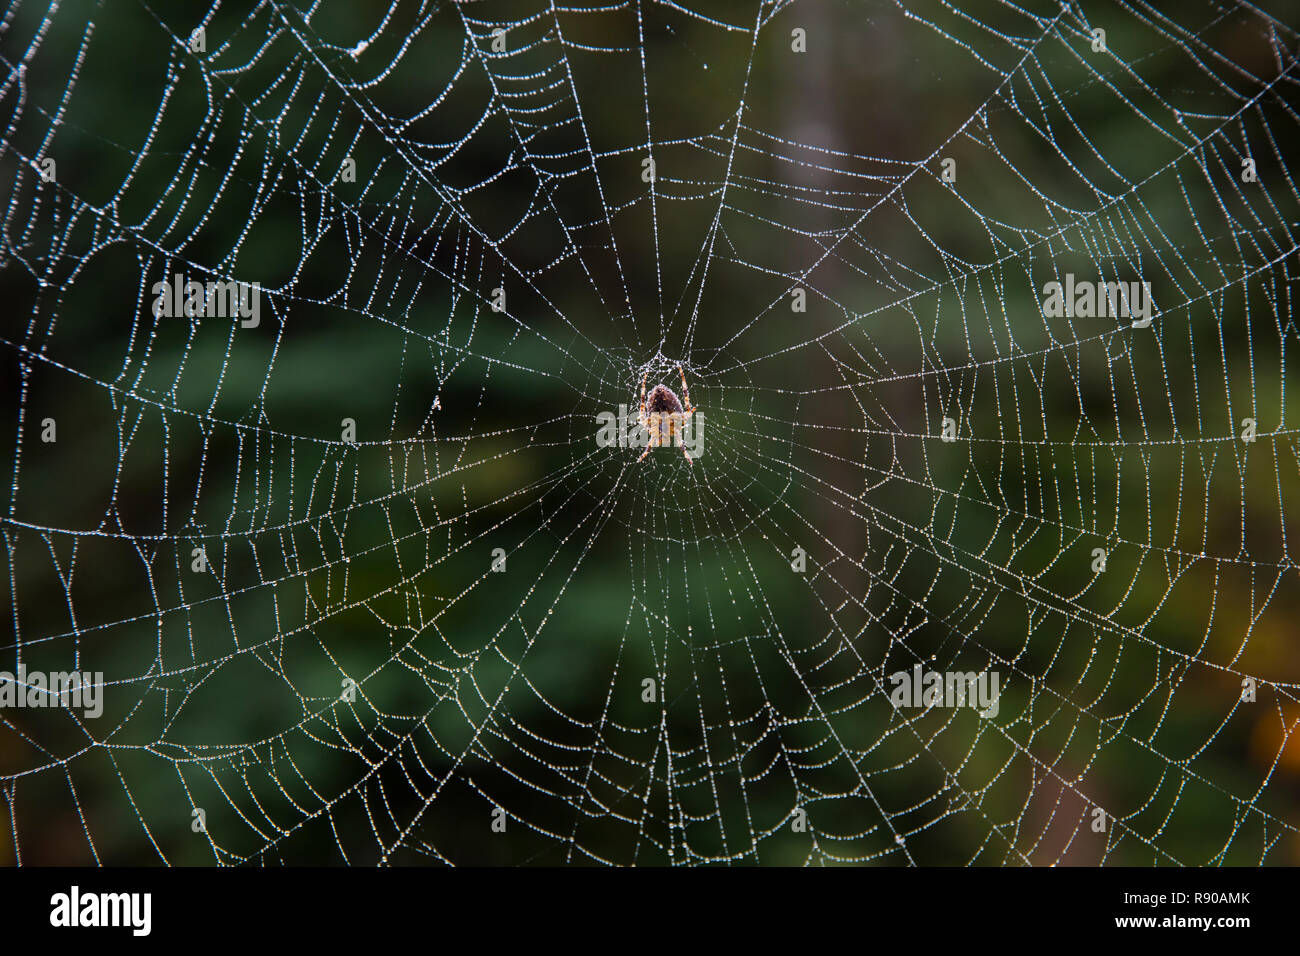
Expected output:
(662, 400)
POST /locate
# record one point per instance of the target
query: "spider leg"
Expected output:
(686, 392)
(675, 424)
(640, 418)
(645, 422)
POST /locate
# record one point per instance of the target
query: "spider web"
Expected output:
(469, 632)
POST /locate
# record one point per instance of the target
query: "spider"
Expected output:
(663, 416)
